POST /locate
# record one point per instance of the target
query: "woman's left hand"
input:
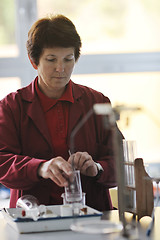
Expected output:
(83, 161)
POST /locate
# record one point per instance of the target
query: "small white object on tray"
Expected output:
(51, 221)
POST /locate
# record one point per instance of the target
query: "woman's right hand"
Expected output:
(57, 169)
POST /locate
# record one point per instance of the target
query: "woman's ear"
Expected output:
(33, 64)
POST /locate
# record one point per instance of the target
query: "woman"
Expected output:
(36, 123)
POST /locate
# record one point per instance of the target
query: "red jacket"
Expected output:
(25, 142)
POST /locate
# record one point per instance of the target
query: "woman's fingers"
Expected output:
(57, 169)
(84, 162)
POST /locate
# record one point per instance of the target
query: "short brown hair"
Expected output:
(53, 31)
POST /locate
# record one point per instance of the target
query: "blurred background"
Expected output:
(120, 57)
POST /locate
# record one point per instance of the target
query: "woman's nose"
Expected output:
(59, 67)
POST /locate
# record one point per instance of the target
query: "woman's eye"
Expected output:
(54, 59)
(68, 59)
(51, 60)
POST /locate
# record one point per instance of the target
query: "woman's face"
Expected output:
(54, 70)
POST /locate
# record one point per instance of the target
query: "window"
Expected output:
(124, 26)
(15, 20)
(139, 90)
(8, 46)
(9, 85)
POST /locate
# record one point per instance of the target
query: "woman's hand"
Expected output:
(83, 161)
(57, 169)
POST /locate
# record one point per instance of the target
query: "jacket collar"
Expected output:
(35, 112)
(28, 93)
